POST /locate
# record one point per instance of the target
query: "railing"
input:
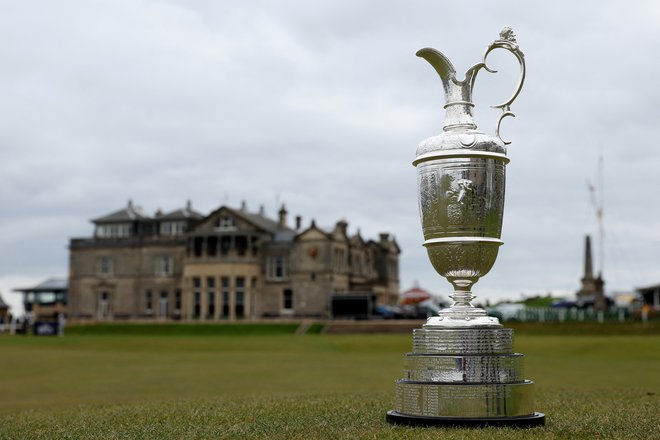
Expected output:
(556, 314)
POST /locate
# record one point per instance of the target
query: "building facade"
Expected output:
(229, 265)
(46, 301)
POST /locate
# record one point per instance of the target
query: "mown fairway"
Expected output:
(287, 386)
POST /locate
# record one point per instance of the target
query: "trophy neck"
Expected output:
(459, 106)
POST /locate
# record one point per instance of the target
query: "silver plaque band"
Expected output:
(463, 341)
(504, 368)
(469, 400)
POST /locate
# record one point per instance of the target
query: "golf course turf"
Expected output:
(274, 384)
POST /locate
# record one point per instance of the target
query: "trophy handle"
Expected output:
(506, 41)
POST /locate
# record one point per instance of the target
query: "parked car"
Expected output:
(387, 312)
(421, 310)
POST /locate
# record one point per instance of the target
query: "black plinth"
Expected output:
(536, 419)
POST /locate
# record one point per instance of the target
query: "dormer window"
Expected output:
(113, 230)
(225, 223)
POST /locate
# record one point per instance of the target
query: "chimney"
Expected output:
(384, 237)
(262, 210)
(188, 205)
(343, 225)
(298, 222)
(243, 206)
(282, 213)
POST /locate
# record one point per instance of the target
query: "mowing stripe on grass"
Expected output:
(172, 329)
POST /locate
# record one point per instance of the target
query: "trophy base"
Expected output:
(530, 421)
(464, 377)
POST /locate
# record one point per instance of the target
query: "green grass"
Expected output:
(287, 386)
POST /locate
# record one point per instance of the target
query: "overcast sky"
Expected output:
(320, 105)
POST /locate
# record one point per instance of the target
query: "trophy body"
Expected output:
(462, 370)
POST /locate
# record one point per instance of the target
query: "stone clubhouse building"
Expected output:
(231, 264)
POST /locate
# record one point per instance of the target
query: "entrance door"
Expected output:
(103, 309)
(162, 305)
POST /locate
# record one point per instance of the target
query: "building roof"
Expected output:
(50, 285)
(414, 295)
(130, 213)
(357, 239)
(258, 219)
(415, 290)
(182, 214)
(648, 289)
(287, 235)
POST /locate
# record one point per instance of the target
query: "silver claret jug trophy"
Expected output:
(462, 370)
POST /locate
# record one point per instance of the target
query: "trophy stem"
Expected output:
(462, 298)
(462, 313)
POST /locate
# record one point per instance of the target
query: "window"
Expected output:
(113, 230)
(224, 281)
(278, 267)
(241, 244)
(60, 297)
(210, 291)
(177, 302)
(240, 297)
(198, 244)
(255, 246)
(163, 265)
(105, 267)
(225, 244)
(212, 246)
(358, 265)
(288, 299)
(197, 297)
(173, 228)
(225, 223)
(148, 303)
(46, 298)
(340, 260)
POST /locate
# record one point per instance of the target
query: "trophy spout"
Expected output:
(458, 94)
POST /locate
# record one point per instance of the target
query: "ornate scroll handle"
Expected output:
(506, 41)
